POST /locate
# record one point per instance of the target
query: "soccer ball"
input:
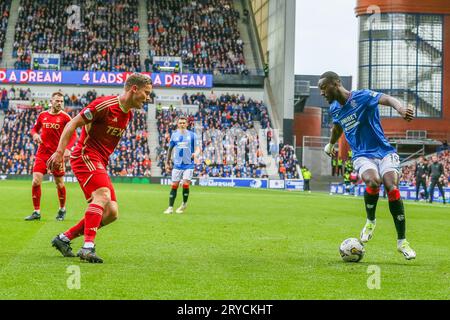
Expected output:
(352, 250)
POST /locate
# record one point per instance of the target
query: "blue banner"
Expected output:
(294, 184)
(167, 80)
(234, 182)
(406, 192)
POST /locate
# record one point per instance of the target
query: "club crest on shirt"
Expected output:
(88, 114)
(353, 104)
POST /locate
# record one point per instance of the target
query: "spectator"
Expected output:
(106, 41)
(230, 143)
(5, 6)
(203, 33)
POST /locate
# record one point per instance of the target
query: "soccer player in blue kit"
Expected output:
(356, 114)
(187, 150)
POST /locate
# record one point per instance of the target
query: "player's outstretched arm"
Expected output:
(169, 158)
(57, 158)
(336, 133)
(407, 113)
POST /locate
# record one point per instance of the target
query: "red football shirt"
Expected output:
(50, 126)
(106, 124)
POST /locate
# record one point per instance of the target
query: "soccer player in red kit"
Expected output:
(46, 133)
(104, 122)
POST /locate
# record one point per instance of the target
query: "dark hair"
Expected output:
(330, 75)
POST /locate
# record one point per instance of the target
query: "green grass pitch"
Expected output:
(230, 244)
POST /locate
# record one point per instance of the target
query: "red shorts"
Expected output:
(40, 165)
(91, 175)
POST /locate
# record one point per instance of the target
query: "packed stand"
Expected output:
(408, 172)
(287, 162)
(5, 6)
(230, 143)
(106, 39)
(203, 33)
(17, 148)
(12, 93)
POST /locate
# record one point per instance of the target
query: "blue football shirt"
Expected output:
(360, 121)
(184, 147)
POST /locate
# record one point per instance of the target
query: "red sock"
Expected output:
(76, 231)
(394, 195)
(62, 197)
(92, 220)
(36, 192)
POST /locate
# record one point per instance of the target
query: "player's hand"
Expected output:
(168, 166)
(329, 150)
(37, 138)
(407, 113)
(67, 155)
(55, 161)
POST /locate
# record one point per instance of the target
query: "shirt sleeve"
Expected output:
(333, 113)
(93, 111)
(37, 126)
(373, 98)
(172, 143)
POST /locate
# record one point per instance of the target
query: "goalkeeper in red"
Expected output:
(46, 133)
(104, 122)
(356, 114)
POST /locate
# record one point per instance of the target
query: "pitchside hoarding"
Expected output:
(406, 192)
(167, 80)
(244, 183)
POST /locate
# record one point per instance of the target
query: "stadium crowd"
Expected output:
(203, 33)
(17, 149)
(230, 142)
(105, 39)
(70, 100)
(287, 162)
(5, 6)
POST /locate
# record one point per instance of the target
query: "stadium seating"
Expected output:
(106, 40)
(13, 94)
(5, 6)
(17, 149)
(288, 160)
(203, 33)
(230, 143)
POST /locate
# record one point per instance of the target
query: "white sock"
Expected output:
(372, 221)
(38, 211)
(88, 245)
(63, 208)
(64, 238)
(400, 242)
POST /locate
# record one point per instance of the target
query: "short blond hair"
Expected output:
(57, 93)
(137, 79)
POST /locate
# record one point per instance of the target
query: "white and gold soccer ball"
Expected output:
(352, 250)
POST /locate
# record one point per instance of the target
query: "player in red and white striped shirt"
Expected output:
(104, 122)
(46, 133)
